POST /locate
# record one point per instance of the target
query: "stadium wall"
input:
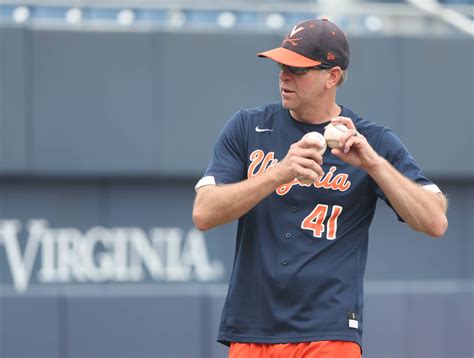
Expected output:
(103, 136)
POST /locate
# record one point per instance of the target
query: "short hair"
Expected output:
(343, 77)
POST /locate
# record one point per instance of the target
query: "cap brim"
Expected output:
(288, 57)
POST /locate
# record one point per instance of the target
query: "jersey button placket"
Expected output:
(284, 263)
(294, 209)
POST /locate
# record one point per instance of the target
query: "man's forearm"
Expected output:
(217, 205)
(421, 209)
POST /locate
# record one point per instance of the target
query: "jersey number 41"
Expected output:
(315, 221)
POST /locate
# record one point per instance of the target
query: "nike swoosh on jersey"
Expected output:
(263, 129)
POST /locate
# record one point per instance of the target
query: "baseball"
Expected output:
(313, 137)
(333, 132)
(316, 137)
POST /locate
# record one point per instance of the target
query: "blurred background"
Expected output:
(109, 111)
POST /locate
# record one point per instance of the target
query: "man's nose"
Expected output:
(285, 75)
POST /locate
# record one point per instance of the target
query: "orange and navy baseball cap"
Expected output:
(312, 43)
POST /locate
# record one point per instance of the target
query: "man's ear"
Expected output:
(335, 74)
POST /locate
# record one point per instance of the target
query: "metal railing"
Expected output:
(353, 16)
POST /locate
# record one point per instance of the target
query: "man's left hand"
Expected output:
(354, 148)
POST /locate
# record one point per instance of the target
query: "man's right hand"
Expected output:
(301, 161)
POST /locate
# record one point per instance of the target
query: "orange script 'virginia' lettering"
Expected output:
(256, 158)
(261, 163)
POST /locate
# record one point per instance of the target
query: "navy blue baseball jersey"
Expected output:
(300, 253)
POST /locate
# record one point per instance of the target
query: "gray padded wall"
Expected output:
(151, 318)
(101, 107)
(418, 325)
(92, 103)
(168, 326)
(395, 251)
(204, 79)
(152, 103)
(31, 326)
(437, 104)
(14, 105)
(143, 326)
(374, 83)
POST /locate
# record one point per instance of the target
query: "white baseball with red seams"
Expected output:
(333, 132)
(313, 137)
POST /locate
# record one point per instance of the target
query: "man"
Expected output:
(296, 286)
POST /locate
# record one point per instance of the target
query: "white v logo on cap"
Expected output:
(296, 30)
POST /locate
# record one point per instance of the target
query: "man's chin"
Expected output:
(286, 104)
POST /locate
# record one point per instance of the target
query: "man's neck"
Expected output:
(317, 114)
